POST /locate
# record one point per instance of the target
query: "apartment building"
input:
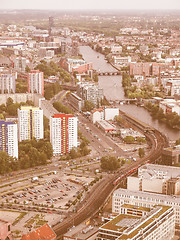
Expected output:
(30, 123)
(90, 91)
(171, 155)
(148, 68)
(20, 63)
(36, 82)
(75, 101)
(138, 223)
(9, 138)
(144, 199)
(7, 82)
(170, 105)
(63, 133)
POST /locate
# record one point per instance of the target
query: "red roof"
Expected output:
(43, 233)
(61, 115)
(97, 110)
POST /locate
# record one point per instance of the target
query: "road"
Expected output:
(99, 140)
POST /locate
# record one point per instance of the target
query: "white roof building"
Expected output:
(144, 199)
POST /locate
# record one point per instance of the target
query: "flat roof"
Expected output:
(154, 169)
(106, 125)
(129, 225)
(133, 194)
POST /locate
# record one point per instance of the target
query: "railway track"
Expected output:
(100, 193)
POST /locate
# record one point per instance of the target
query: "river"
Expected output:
(113, 90)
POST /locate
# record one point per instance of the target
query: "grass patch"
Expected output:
(19, 218)
(41, 222)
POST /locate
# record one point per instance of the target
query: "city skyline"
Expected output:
(80, 4)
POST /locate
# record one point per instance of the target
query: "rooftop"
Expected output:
(129, 225)
(151, 196)
(44, 232)
(158, 171)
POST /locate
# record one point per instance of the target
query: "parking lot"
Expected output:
(50, 191)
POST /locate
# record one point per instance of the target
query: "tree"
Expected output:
(88, 105)
(141, 152)
(140, 140)
(61, 108)
(110, 163)
(6, 163)
(9, 102)
(129, 139)
(118, 119)
(178, 141)
(74, 74)
(27, 69)
(95, 77)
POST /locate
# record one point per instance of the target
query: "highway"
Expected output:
(99, 140)
(102, 190)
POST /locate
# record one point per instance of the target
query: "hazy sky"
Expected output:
(89, 4)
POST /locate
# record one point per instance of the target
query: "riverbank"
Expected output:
(113, 90)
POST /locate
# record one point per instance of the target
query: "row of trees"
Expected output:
(50, 90)
(145, 92)
(171, 119)
(131, 139)
(62, 108)
(110, 163)
(21, 86)
(10, 108)
(31, 153)
(52, 69)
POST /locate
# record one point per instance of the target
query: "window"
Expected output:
(9, 228)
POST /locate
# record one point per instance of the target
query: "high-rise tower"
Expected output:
(63, 133)
(30, 123)
(9, 138)
(36, 82)
(51, 24)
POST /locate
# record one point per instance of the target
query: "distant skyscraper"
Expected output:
(36, 82)
(9, 138)
(63, 133)
(51, 23)
(7, 82)
(30, 123)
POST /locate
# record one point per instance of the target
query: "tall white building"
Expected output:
(20, 64)
(30, 123)
(36, 82)
(7, 82)
(63, 133)
(9, 138)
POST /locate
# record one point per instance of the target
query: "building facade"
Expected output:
(9, 138)
(36, 82)
(171, 156)
(7, 82)
(63, 133)
(20, 64)
(144, 199)
(138, 223)
(157, 179)
(90, 92)
(30, 123)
